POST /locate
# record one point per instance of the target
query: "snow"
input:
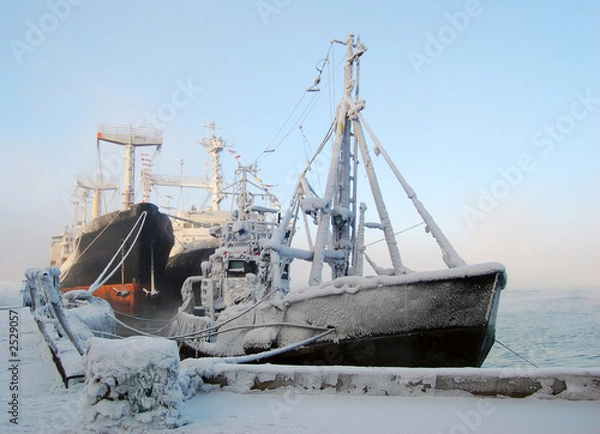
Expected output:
(291, 412)
(92, 315)
(313, 204)
(352, 284)
(131, 383)
(46, 406)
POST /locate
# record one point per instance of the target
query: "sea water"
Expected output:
(548, 328)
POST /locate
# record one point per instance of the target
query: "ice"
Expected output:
(132, 383)
(352, 284)
(313, 204)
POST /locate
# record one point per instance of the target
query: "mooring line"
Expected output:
(517, 354)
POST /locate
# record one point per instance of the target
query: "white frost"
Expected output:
(132, 384)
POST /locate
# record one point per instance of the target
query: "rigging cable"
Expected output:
(89, 245)
(517, 354)
(311, 89)
(97, 284)
(396, 233)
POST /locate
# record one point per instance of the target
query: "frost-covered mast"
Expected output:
(338, 188)
(87, 185)
(214, 146)
(335, 212)
(131, 138)
(214, 183)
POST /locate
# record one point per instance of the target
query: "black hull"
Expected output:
(101, 239)
(187, 263)
(423, 349)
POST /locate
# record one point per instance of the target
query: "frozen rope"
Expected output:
(272, 353)
(517, 354)
(233, 318)
(97, 284)
(396, 233)
(202, 333)
(139, 317)
(128, 327)
(89, 245)
(167, 322)
(110, 335)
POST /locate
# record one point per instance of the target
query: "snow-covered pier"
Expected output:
(553, 383)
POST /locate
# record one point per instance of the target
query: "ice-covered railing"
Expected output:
(45, 299)
(42, 295)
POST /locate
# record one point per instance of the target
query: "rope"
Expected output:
(206, 330)
(281, 128)
(139, 318)
(216, 327)
(157, 331)
(97, 285)
(396, 233)
(275, 352)
(304, 113)
(89, 245)
(201, 333)
(517, 354)
(128, 327)
(252, 357)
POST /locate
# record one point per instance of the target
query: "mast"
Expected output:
(214, 146)
(130, 137)
(338, 188)
(97, 187)
(213, 183)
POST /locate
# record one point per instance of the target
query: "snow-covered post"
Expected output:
(322, 236)
(32, 275)
(48, 278)
(384, 217)
(132, 384)
(359, 249)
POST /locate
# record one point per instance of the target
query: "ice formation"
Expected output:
(132, 384)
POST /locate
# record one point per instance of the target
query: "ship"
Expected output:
(191, 227)
(243, 308)
(120, 255)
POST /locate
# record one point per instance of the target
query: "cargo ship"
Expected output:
(120, 255)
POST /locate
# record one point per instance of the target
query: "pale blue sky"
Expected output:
(483, 102)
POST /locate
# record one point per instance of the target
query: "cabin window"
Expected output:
(239, 268)
(236, 268)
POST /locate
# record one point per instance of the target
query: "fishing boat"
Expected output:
(121, 255)
(242, 307)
